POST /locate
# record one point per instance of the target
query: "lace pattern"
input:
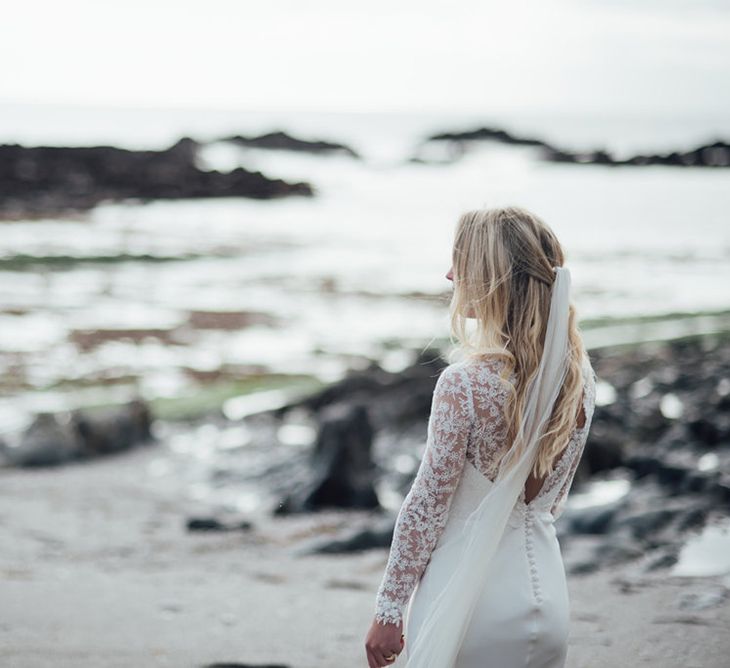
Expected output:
(466, 424)
(423, 515)
(574, 452)
(489, 442)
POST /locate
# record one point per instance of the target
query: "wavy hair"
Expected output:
(502, 264)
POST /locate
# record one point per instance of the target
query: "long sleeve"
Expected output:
(424, 512)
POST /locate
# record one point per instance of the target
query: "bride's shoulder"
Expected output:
(455, 372)
(485, 375)
(483, 367)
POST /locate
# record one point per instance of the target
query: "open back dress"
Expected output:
(522, 617)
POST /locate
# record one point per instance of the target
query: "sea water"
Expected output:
(354, 273)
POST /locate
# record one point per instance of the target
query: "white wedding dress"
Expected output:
(522, 616)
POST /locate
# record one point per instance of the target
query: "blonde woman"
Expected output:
(475, 577)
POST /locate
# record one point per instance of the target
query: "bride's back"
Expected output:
(489, 441)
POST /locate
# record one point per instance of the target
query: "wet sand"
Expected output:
(97, 569)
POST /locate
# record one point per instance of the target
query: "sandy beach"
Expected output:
(98, 569)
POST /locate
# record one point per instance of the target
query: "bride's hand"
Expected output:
(382, 641)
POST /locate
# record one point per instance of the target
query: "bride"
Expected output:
(475, 577)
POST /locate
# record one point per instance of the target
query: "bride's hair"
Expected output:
(503, 261)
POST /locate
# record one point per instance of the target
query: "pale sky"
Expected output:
(382, 55)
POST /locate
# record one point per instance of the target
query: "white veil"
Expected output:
(442, 631)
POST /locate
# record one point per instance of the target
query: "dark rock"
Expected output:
(715, 154)
(723, 403)
(599, 157)
(38, 180)
(50, 440)
(584, 568)
(664, 561)
(647, 420)
(215, 524)
(114, 429)
(459, 140)
(342, 469)
(619, 550)
(283, 141)
(699, 482)
(54, 439)
(606, 441)
(394, 400)
(677, 477)
(671, 476)
(711, 429)
(642, 464)
(721, 489)
(693, 519)
(491, 134)
(378, 535)
(591, 520)
(341, 472)
(644, 523)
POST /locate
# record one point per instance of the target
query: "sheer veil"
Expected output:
(442, 632)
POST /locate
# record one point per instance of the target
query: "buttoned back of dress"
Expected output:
(467, 438)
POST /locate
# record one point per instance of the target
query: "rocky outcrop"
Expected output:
(282, 141)
(393, 399)
(54, 179)
(714, 154)
(491, 134)
(458, 142)
(342, 470)
(58, 438)
(666, 432)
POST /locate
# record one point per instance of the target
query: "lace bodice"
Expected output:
(466, 428)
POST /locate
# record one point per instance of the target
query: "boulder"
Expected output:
(342, 471)
(58, 438)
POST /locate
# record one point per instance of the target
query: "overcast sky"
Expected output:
(380, 55)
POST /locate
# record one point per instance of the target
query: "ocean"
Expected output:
(353, 274)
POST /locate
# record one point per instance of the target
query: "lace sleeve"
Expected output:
(423, 515)
(579, 437)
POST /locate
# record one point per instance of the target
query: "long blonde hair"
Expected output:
(503, 261)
